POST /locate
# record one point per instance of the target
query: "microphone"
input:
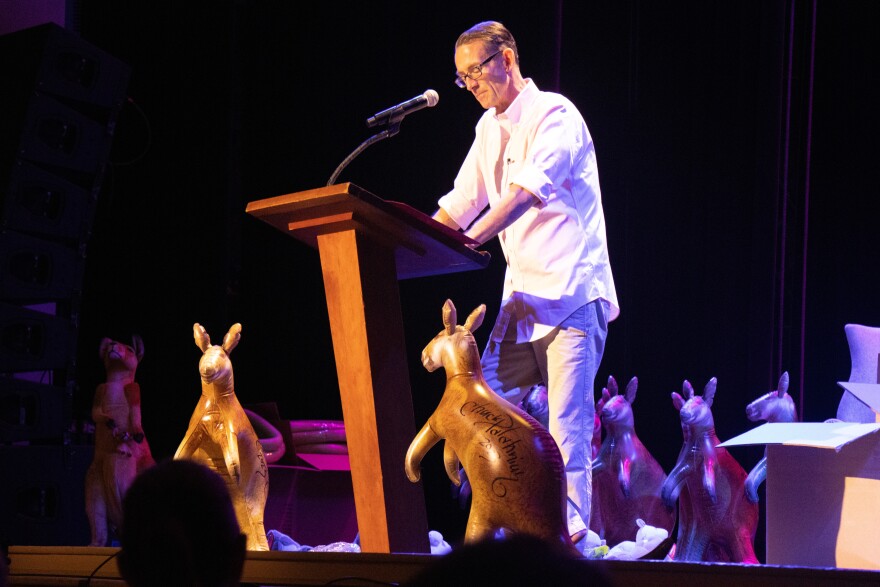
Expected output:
(396, 113)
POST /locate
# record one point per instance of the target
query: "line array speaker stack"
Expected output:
(59, 102)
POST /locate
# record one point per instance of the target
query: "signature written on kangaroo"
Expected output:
(504, 438)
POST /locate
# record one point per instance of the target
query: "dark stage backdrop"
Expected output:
(736, 149)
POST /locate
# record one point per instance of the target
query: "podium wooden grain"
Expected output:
(366, 244)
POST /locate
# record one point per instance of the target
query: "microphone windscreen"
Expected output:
(432, 97)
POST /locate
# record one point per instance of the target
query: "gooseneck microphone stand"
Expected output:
(392, 130)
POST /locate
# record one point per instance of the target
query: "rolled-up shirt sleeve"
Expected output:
(546, 154)
(468, 196)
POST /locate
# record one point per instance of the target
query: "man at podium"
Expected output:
(533, 164)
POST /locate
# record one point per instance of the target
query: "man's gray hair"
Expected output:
(493, 34)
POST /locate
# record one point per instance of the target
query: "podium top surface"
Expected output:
(422, 245)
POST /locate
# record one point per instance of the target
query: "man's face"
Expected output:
(491, 86)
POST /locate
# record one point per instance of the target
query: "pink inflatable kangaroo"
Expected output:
(221, 436)
(626, 478)
(512, 462)
(535, 405)
(774, 406)
(716, 523)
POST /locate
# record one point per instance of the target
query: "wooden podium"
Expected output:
(366, 245)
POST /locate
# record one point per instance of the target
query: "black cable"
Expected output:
(149, 138)
(88, 581)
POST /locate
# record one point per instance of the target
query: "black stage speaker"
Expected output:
(42, 496)
(50, 59)
(34, 341)
(64, 140)
(60, 98)
(33, 411)
(37, 270)
(60, 102)
(46, 205)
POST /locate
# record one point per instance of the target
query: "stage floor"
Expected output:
(61, 566)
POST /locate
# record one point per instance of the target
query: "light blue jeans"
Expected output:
(566, 360)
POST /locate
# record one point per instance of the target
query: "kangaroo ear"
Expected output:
(687, 390)
(230, 341)
(631, 388)
(606, 397)
(450, 317)
(102, 348)
(476, 318)
(709, 391)
(677, 401)
(612, 385)
(782, 387)
(203, 341)
(137, 343)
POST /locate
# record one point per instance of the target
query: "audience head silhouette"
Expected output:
(518, 560)
(179, 528)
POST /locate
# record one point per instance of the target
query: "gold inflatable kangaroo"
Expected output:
(221, 437)
(513, 464)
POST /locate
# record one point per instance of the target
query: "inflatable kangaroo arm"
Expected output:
(418, 448)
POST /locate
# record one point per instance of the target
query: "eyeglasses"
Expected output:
(475, 72)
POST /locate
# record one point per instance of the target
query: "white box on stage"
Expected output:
(822, 493)
(867, 393)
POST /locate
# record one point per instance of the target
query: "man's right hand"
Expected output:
(442, 217)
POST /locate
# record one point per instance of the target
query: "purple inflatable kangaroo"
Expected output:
(626, 478)
(716, 523)
(513, 464)
(774, 406)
